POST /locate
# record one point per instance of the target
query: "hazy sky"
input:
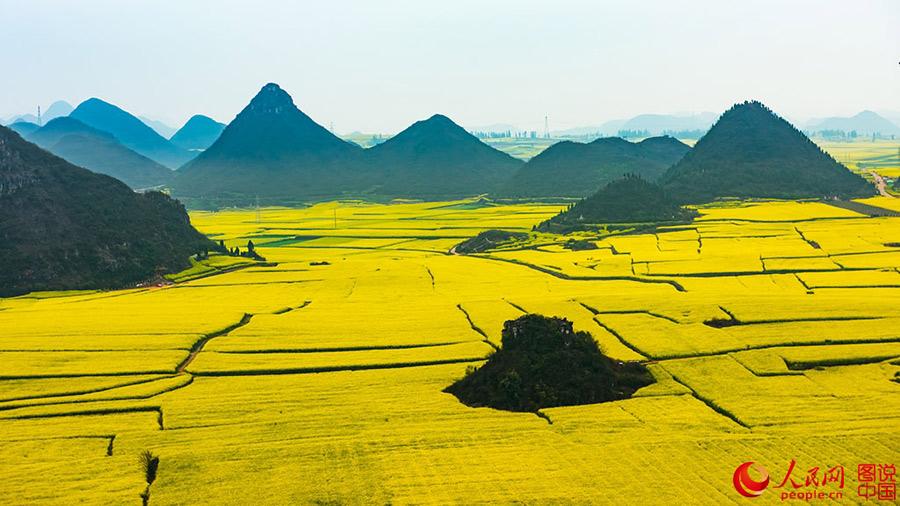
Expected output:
(380, 65)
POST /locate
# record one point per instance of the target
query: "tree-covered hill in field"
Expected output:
(572, 169)
(751, 152)
(629, 199)
(64, 227)
(100, 152)
(436, 158)
(274, 150)
(199, 133)
(544, 363)
(130, 131)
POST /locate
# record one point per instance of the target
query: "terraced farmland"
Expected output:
(773, 329)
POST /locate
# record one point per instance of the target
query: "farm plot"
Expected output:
(318, 377)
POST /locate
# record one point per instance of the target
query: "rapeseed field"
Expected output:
(317, 376)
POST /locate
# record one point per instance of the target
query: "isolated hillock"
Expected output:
(489, 239)
(630, 199)
(752, 153)
(573, 169)
(544, 363)
(63, 227)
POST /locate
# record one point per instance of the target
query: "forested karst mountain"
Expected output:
(572, 169)
(273, 149)
(751, 152)
(436, 158)
(629, 199)
(63, 227)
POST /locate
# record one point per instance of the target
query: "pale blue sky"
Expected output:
(378, 66)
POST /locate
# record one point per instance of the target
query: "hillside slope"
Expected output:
(274, 150)
(751, 152)
(130, 131)
(63, 227)
(572, 169)
(99, 152)
(436, 158)
(199, 133)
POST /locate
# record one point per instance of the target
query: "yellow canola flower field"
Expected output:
(318, 377)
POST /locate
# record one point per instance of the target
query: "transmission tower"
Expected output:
(39, 117)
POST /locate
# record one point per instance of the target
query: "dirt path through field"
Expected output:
(881, 184)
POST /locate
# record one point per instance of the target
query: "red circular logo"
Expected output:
(747, 486)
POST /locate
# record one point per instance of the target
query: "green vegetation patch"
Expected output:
(490, 239)
(544, 363)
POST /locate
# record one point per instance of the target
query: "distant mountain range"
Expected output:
(751, 152)
(866, 122)
(164, 130)
(64, 227)
(650, 124)
(100, 152)
(495, 128)
(131, 132)
(275, 151)
(24, 127)
(56, 110)
(657, 124)
(199, 133)
(572, 169)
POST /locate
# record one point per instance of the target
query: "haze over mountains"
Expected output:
(575, 169)
(650, 124)
(63, 227)
(274, 151)
(198, 133)
(131, 132)
(866, 123)
(100, 152)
